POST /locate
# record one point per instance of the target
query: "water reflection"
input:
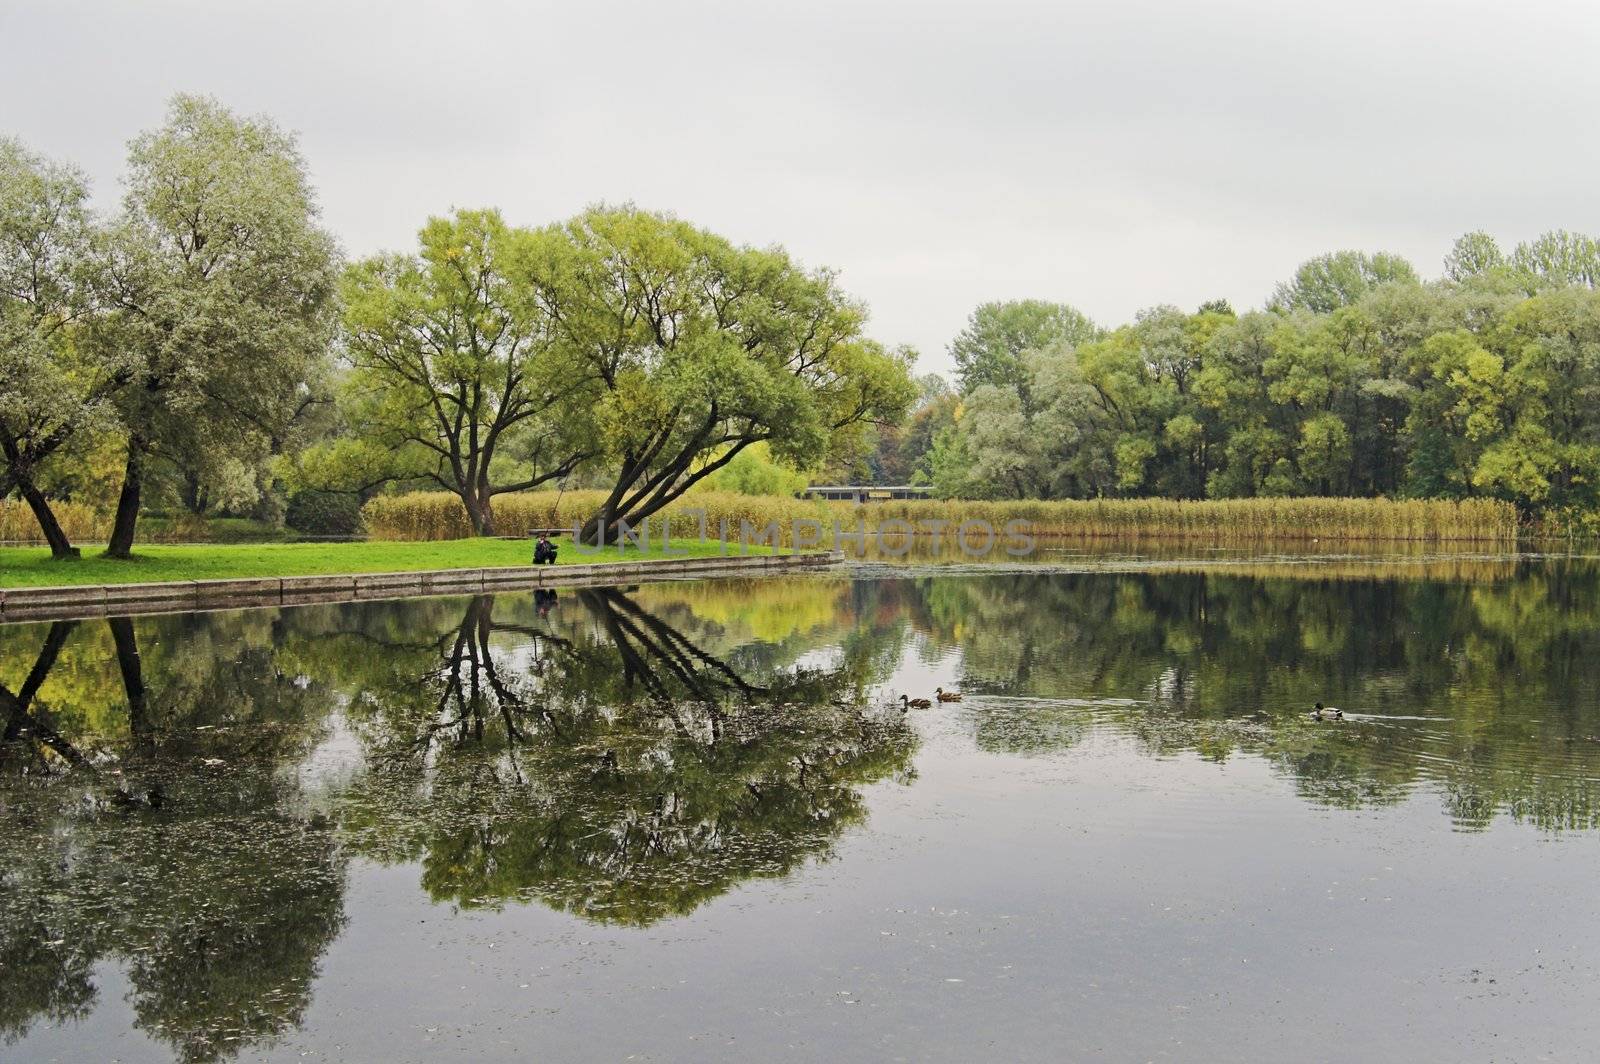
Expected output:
(1483, 688)
(183, 857)
(186, 795)
(622, 762)
(620, 768)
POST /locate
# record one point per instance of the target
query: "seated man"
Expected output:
(544, 552)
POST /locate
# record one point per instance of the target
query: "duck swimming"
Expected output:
(946, 696)
(1327, 713)
(907, 702)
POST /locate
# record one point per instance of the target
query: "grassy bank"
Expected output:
(436, 515)
(32, 567)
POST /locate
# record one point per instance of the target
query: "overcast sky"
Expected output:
(1108, 155)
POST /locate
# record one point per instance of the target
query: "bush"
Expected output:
(324, 513)
(753, 472)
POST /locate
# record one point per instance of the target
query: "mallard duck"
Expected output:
(1327, 713)
(946, 696)
(907, 702)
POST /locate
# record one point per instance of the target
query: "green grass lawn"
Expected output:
(32, 566)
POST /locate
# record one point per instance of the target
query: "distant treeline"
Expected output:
(1357, 379)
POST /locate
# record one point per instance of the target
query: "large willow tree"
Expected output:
(698, 348)
(454, 378)
(220, 288)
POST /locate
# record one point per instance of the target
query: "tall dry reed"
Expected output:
(81, 523)
(1420, 520)
(438, 515)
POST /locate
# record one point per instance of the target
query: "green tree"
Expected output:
(989, 349)
(51, 388)
(699, 349)
(935, 412)
(1232, 388)
(1550, 448)
(754, 472)
(1457, 414)
(454, 376)
(1558, 258)
(1046, 437)
(1473, 254)
(221, 286)
(1339, 278)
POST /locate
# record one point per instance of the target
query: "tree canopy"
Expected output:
(455, 379)
(50, 387)
(203, 347)
(989, 349)
(699, 349)
(1360, 380)
(220, 284)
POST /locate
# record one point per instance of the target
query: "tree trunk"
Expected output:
(480, 513)
(604, 527)
(194, 493)
(61, 548)
(486, 513)
(132, 676)
(121, 545)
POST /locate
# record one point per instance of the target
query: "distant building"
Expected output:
(866, 492)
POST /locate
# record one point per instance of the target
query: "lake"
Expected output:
(695, 821)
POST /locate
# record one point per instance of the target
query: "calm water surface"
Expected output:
(689, 821)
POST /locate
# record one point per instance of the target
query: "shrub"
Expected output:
(324, 513)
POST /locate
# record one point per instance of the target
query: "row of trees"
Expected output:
(1357, 379)
(207, 344)
(212, 335)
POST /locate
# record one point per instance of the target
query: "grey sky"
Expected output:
(939, 154)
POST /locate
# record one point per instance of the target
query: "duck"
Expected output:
(124, 798)
(947, 696)
(1327, 713)
(907, 702)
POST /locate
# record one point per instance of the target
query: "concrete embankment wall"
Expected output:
(116, 600)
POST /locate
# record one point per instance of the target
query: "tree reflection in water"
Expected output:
(1481, 686)
(207, 883)
(625, 773)
(602, 760)
(627, 756)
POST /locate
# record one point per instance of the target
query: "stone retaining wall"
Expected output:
(99, 600)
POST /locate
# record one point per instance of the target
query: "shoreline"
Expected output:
(76, 601)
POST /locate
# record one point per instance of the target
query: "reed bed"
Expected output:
(1232, 520)
(428, 515)
(81, 523)
(438, 515)
(87, 526)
